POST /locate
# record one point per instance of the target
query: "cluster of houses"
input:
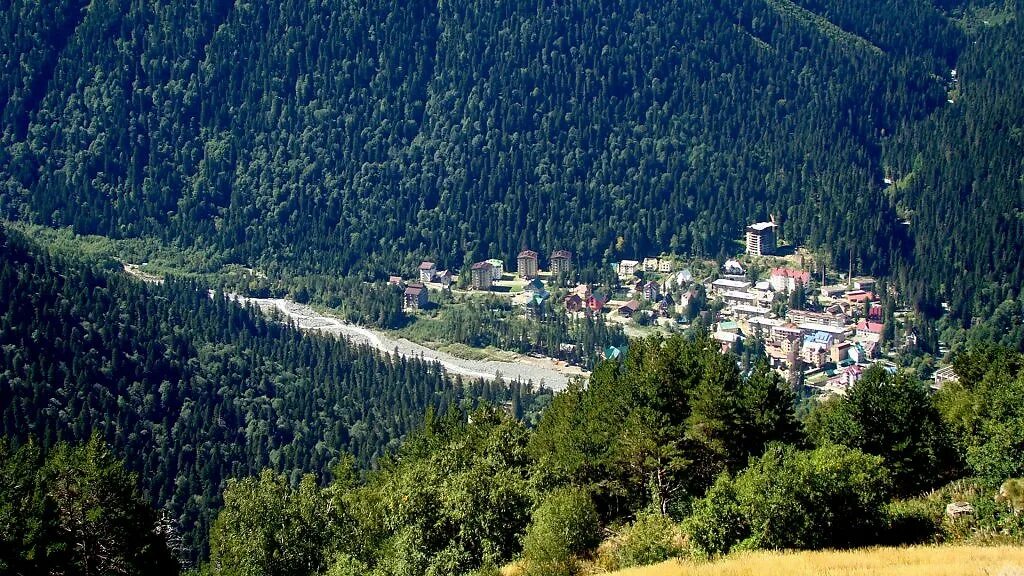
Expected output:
(483, 275)
(829, 347)
(826, 348)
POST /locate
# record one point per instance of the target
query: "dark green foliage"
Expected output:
(657, 428)
(193, 389)
(890, 415)
(77, 512)
(311, 140)
(831, 497)
(966, 161)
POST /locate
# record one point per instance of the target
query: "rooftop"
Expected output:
(726, 283)
(761, 226)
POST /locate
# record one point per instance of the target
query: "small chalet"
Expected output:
(728, 340)
(733, 268)
(396, 281)
(650, 264)
(850, 375)
(573, 303)
(535, 305)
(427, 271)
(783, 279)
(444, 277)
(534, 286)
(650, 290)
(664, 308)
(526, 264)
(665, 265)
(561, 261)
(415, 297)
(596, 302)
(480, 277)
(628, 309)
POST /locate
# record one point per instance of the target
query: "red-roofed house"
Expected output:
(415, 297)
(865, 327)
(573, 303)
(859, 297)
(628, 309)
(783, 279)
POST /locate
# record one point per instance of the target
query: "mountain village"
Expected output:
(818, 330)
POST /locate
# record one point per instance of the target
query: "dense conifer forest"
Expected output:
(193, 389)
(329, 138)
(323, 146)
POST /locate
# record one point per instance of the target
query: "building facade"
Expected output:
(761, 239)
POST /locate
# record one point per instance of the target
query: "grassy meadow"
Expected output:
(910, 561)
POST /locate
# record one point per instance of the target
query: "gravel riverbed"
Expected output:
(538, 370)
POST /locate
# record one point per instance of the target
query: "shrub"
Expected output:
(650, 539)
(562, 527)
(832, 496)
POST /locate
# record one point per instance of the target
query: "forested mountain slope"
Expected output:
(193, 390)
(362, 136)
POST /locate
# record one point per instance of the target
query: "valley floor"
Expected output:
(538, 370)
(912, 561)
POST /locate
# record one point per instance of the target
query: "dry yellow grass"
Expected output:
(913, 561)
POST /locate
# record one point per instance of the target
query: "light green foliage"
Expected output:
(832, 496)
(456, 497)
(890, 416)
(345, 565)
(985, 409)
(1011, 493)
(717, 522)
(651, 538)
(268, 528)
(563, 526)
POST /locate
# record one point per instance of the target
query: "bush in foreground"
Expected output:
(831, 497)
